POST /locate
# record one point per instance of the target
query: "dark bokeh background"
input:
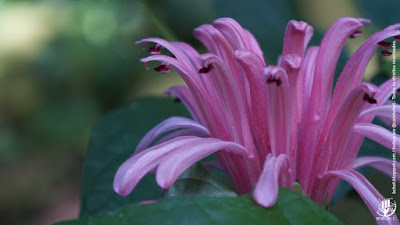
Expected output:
(64, 64)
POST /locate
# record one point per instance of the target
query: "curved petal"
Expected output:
(346, 118)
(203, 99)
(267, 188)
(378, 134)
(382, 164)
(328, 56)
(384, 113)
(320, 97)
(134, 168)
(167, 125)
(233, 32)
(386, 90)
(279, 109)
(355, 67)
(194, 58)
(239, 38)
(173, 165)
(371, 197)
(175, 51)
(183, 132)
(335, 135)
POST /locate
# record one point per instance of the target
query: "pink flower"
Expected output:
(270, 126)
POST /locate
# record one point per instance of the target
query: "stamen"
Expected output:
(384, 44)
(386, 52)
(206, 69)
(397, 38)
(271, 80)
(177, 100)
(162, 68)
(145, 65)
(356, 34)
(155, 50)
(369, 99)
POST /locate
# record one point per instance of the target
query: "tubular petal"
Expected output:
(305, 83)
(328, 56)
(297, 36)
(279, 110)
(267, 188)
(233, 32)
(253, 70)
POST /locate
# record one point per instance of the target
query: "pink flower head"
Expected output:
(270, 125)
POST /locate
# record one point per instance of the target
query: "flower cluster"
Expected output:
(270, 126)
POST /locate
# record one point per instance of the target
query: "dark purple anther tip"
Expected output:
(177, 100)
(386, 53)
(162, 68)
(355, 34)
(155, 50)
(369, 99)
(277, 81)
(206, 69)
(384, 44)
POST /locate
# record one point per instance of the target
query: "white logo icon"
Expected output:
(387, 207)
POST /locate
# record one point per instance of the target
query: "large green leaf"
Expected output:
(112, 142)
(291, 208)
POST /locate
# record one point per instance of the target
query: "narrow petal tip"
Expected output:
(293, 61)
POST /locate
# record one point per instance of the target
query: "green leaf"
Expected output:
(198, 181)
(291, 208)
(112, 141)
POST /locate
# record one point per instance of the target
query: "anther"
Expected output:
(162, 68)
(155, 50)
(384, 44)
(386, 52)
(206, 69)
(271, 80)
(355, 34)
(369, 99)
(177, 100)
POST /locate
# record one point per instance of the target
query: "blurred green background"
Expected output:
(65, 63)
